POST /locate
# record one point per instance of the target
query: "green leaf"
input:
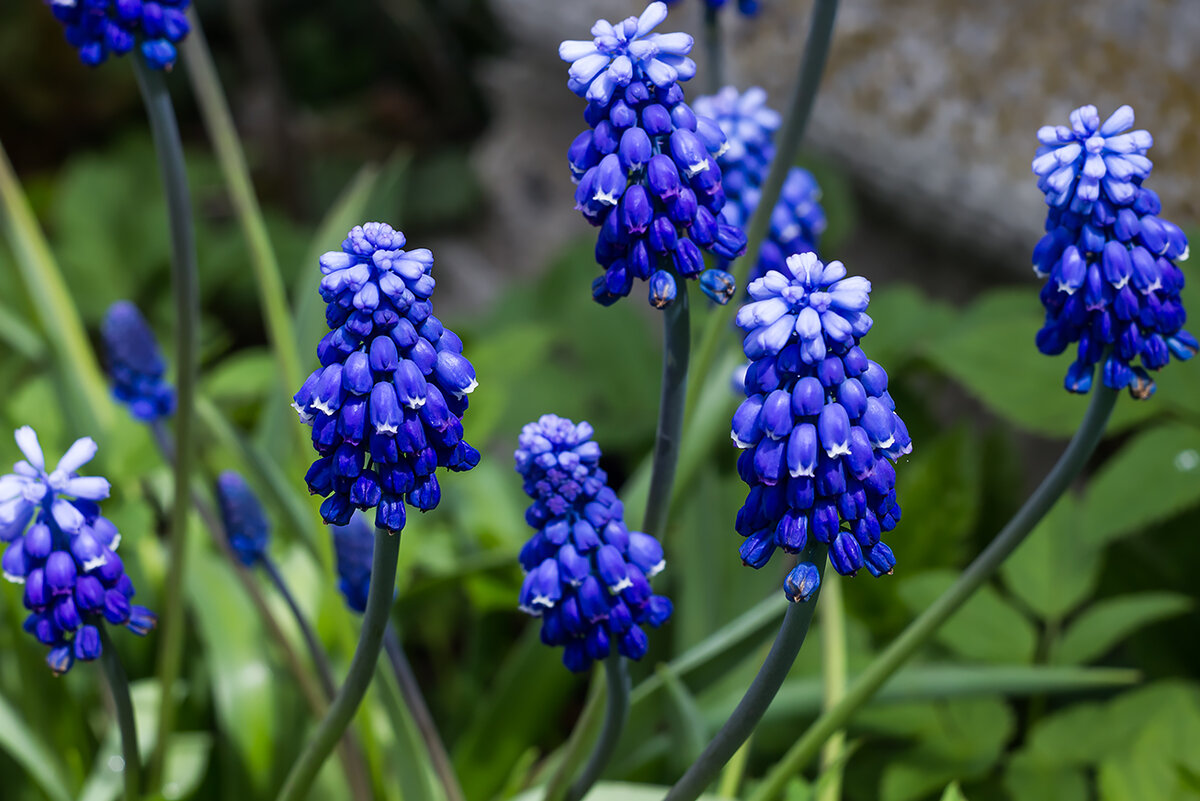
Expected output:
(913, 323)
(1031, 779)
(1100, 627)
(688, 730)
(232, 637)
(246, 376)
(953, 793)
(1054, 569)
(22, 339)
(1160, 761)
(1153, 478)
(619, 791)
(986, 627)
(941, 491)
(29, 752)
(991, 352)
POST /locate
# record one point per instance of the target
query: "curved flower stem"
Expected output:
(118, 686)
(804, 94)
(920, 630)
(677, 334)
(617, 676)
(362, 670)
(712, 47)
(315, 651)
(410, 690)
(185, 283)
(759, 695)
(833, 670)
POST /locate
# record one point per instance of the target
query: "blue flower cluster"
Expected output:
(96, 28)
(64, 552)
(354, 552)
(135, 363)
(1113, 283)
(586, 574)
(645, 168)
(797, 221)
(245, 521)
(386, 404)
(748, 7)
(818, 426)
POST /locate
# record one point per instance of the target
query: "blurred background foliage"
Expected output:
(1071, 677)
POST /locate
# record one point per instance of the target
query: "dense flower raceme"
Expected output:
(97, 28)
(817, 426)
(354, 551)
(1113, 283)
(135, 363)
(386, 404)
(586, 574)
(748, 7)
(749, 125)
(245, 521)
(64, 552)
(645, 168)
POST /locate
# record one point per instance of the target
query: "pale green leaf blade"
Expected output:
(27, 750)
(986, 627)
(1101, 626)
(1054, 570)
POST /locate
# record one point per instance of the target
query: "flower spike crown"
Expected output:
(245, 521)
(749, 8)
(386, 404)
(96, 28)
(645, 168)
(64, 552)
(818, 426)
(586, 574)
(136, 364)
(1113, 283)
(749, 125)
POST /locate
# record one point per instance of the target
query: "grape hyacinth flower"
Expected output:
(749, 125)
(817, 427)
(245, 521)
(1113, 283)
(64, 552)
(645, 168)
(386, 404)
(353, 553)
(136, 364)
(586, 574)
(749, 8)
(96, 28)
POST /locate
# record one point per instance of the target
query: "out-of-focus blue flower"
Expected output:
(1113, 283)
(750, 8)
(135, 363)
(586, 574)
(645, 169)
(96, 28)
(818, 427)
(749, 125)
(244, 519)
(354, 551)
(386, 404)
(64, 552)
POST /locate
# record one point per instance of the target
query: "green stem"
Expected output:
(617, 676)
(218, 121)
(118, 686)
(410, 691)
(731, 776)
(833, 671)
(169, 149)
(804, 94)
(920, 630)
(315, 651)
(712, 48)
(362, 670)
(677, 335)
(759, 695)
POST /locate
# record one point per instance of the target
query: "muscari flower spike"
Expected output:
(64, 552)
(386, 404)
(818, 426)
(1113, 283)
(245, 521)
(586, 574)
(96, 28)
(749, 8)
(354, 551)
(645, 169)
(136, 364)
(749, 124)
